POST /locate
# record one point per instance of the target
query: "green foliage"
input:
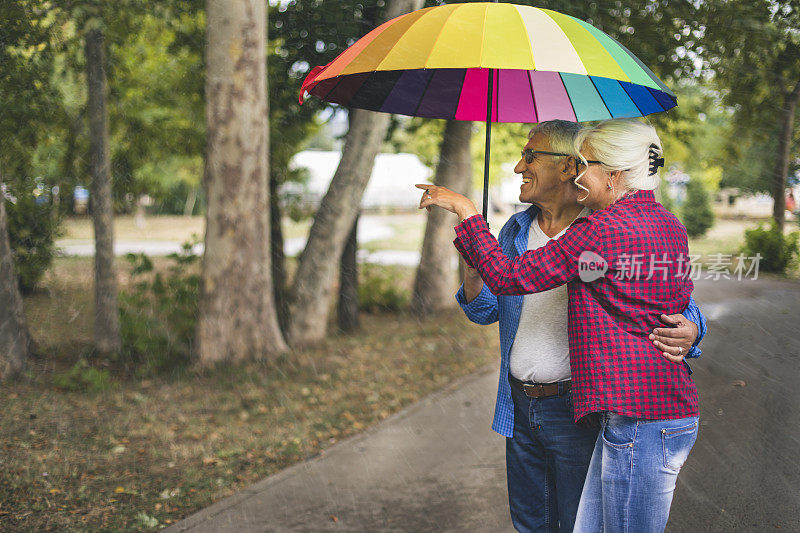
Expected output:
(83, 378)
(697, 214)
(752, 48)
(33, 226)
(378, 289)
(303, 34)
(158, 315)
(779, 252)
(156, 102)
(27, 98)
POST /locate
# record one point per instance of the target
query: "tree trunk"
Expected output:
(309, 305)
(237, 319)
(781, 168)
(15, 341)
(348, 283)
(191, 199)
(435, 281)
(278, 256)
(106, 313)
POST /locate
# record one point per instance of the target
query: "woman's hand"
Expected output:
(446, 199)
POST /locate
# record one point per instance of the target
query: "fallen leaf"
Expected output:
(55, 491)
(119, 490)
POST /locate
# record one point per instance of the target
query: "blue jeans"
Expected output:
(632, 477)
(546, 463)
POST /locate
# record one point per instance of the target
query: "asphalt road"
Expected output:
(438, 467)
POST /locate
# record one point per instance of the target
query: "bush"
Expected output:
(33, 227)
(378, 289)
(697, 214)
(158, 315)
(778, 252)
(82, 377)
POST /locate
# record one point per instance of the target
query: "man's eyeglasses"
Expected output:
(529, 155)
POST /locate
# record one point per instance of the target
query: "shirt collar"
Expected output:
(638, 197)
(525, 218)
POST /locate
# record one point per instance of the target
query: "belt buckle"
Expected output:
(536, 390)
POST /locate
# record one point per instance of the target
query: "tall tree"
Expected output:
(436, 276)
(106, 315)
(348, 311)
(293, 48)
(237, 311)
(15, 341)
(309, 305)
(752, 48)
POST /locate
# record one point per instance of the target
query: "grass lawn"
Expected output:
(159, 228)
(725, 237)
(146, 453)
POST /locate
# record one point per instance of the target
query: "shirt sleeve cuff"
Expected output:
(484, 298)
(462, 249)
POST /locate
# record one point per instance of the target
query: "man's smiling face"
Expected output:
(540, 177)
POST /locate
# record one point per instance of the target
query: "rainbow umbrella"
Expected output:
(490, 61)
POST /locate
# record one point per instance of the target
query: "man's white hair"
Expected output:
(622, 144)
(560, 134)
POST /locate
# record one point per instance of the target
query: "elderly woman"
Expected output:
(624, 265)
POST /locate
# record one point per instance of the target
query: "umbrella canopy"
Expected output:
(494, 62)
(436, 63)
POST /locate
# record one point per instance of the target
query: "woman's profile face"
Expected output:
(596, 180)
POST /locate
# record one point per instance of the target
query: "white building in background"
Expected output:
(391, 184)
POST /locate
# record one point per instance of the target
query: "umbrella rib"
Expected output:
(572, 105)
(339, 79)
(533, 95)
(460, 90)
(601, 97)
(642, 113)
(438, 36)
(422, 97)
(483, 36)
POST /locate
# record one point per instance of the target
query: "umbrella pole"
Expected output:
(487, 149)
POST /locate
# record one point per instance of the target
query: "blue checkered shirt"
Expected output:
(487, 308)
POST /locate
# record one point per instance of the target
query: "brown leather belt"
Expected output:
(541, 390)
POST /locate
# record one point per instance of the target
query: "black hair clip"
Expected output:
(655, 161)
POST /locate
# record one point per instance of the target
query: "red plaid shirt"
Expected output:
(615, 367)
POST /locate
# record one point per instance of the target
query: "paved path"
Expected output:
(438, 467)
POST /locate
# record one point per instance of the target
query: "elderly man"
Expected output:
(547, 454)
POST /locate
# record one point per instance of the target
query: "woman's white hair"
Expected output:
(623, 144)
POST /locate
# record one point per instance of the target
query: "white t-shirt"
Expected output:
(540, 352)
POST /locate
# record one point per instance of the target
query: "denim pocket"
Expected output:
(618, 431)
(677, 443)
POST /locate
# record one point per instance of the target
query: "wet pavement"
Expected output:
(437, 466)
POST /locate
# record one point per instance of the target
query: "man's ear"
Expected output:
(568, 168)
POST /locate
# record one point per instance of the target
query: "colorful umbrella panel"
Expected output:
(547, 65)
